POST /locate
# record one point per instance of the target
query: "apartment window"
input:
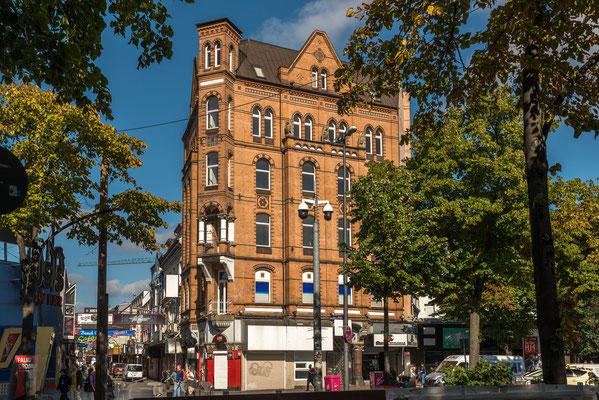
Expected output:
(256, 116)
(308, 232)
(300, 365)
(229, 171)
(368, 141)
(340, 230)
(307, 287)
(217, 54)
(332, 129)
(375, 303)
(262, 287)
(263, 230)
(229, 107)
(314, 78)
(341, 188)
(207, 56)
(212, 112)
(297, 126)
(342, 129)
(379, 142)
(308, 128)
(231, 58)
(259, 72)
(212, 169)
(263, 174)
(268, 124)
(308, 177)
(349, 292)
(323, 80)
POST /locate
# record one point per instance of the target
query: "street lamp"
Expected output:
(302, 211)
(343, 139)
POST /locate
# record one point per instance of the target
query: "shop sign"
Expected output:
(396, 340)
(91, 319)
(26, 376)
(138, 319)
(90, 310)
(452, 336)
(531, 345)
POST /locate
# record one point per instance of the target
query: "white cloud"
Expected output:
(77, 278)
(326, 15)
(164, 236)
(114, 287)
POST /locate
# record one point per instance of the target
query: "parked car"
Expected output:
(574, 376)
(118, 369)
(133, 372)
(435, 378)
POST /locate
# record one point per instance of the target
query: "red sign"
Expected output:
(348, 334)
(531, 345)
(26, 375)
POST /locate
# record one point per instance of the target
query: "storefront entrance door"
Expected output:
(221, 370)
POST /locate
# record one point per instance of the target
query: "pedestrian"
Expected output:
(73, 394)
(179, 378)
(190, 380)
(421, 373)
(64, 384)
(79, 382)
(311, 374)
(90, 384)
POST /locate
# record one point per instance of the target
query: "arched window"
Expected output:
(368, 141)
(379, 142)
(340, 187)
(231, 58)
(217, 54)
(308, 287)
(308, 177)
(229, 109)
(229, 170)
(349, 291)
(323, 80)
(256, 125)
(263, 230)
(268, 124)
(342, 129)
(262, 287)
(263, 174)
(207, 56)
(212, 112)
(212, 169)
(297, 127)
(314, 78)
(308, 128)
(308, 232)
(332, 129)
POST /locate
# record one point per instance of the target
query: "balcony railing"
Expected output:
(220, 307)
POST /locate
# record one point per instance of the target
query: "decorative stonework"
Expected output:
(299, 76)
(263, 202)
(319, 54)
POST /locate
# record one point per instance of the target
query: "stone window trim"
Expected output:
(263, 267)
(369, 134)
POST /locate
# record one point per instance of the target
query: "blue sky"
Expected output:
(161, 93)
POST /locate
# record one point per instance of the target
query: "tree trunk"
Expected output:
(535, 151)
(386, 335)
(474, 338)
(102, 305)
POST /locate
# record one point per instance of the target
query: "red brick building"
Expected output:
(260, 138)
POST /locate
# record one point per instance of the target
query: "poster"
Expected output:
(9, 344)
(452, 336)
(26, 375)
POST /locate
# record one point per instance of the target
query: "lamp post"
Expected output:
(303, 209)
(342, 139)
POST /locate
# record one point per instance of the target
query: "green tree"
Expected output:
(61, 146)
(467, 164)
(393, 246)
(442, 55)
(59, 42)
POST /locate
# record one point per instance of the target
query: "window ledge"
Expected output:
(263, 250)
(214, 187)
(369, 157)
(308, 251)
(269, 141)
(380, 158)
(308, 195)
(211, 130)
(257, 139)
(262, 191)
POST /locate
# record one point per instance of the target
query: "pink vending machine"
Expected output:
(332, 383)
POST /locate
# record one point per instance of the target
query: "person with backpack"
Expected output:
(311, 375)
(89, 388)
(64, 384)
(179, 378)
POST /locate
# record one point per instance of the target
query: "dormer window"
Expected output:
(314, 78)
(207, 56)
(323, 80)
(217, 54)
(259, 72)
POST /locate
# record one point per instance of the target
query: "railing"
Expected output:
(220, 307)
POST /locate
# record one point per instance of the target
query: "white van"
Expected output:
(592, 367)
(133, 372)
(435, 378)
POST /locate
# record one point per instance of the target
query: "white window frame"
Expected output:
(308, 277)
(308, 128)
(374, 303)
(256, 113)
(368, 140)
(308, 359)
(342, 128)
(207, 56)
(262, 276)
(262, 170)
(306, 224)
(340, 228)
(267, 117)
(347, 186)
(333, 130)
(313, 174)
(323, 80)
(350, 293)
(378, 145)
(209, 167)
(229, 106)
(209, 113)
(222, 301)
(229, 171)
(217, 54)
(314, 78)
(264, 224)
(297, 126)
(231, 58)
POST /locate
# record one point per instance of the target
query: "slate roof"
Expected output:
(269, 58)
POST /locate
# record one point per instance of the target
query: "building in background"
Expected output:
(261, 136)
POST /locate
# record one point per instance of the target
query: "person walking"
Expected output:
(64, 384)
(190, 381)
(421, 373)
(179, 378)
(311, 374)
(90, 384)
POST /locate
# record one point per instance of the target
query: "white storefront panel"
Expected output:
(265, 371)
(286, 338)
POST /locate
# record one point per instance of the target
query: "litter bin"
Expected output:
(332, 383)
(376, 379)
